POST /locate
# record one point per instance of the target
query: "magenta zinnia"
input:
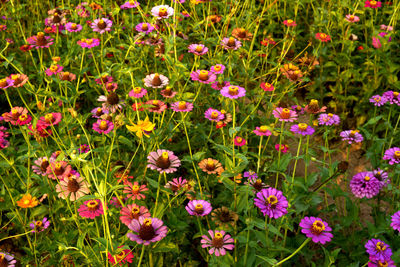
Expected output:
(147, 230)
(316, 229)
(271, 202)
(91, 209)
(218, 244)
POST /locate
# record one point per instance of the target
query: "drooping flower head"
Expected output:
(352, 136)
(162, 11)
(39, 226)
(378, 249)
(224, 217)
(328, 119)
(364, 184)
(285, 114)
(218, 243)
(91, 209)
(147, 230)
(302, 128)
(233, 91)
(163, 160)
(271, 202)
(198, 207)
(393, 155)
(316, 229)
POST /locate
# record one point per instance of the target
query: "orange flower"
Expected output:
(27, 201)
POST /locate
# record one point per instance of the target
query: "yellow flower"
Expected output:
(141, 127)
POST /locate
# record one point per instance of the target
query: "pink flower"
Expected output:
(89, 43)
(284, 148)
(290, 23)
(262, 131)
(123, 256)
(376, 42)
(267, 87)
(133, 211)
(54, 69)
(352, 18)
(239, 141)
(218, 69)
(134, 191)
(373, 4)
(203, 76)
(103, 126)
(101, 25)
(198, 49)
(91, 209)
(50, 119)
(137, 92)
(73, 27)
(144, 27)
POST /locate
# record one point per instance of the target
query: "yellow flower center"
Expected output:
(199, 208)
(155, 102)
(218, 236)
(121, 255)
(54, 68)
(380, 246)
(395, 94)
(147, 222)
(367, 178)
(302, 126)
(182, 105)
(145, 26)
(103, 125)
(214, 115)
(289, 21)
(74, 26)
(137, 90)
(318, 226)
(199, 48)
(203, 75)
(263, 129)
(14, 111)
(165, 155)
(351, 17)
(239, 139)
(217, 67)
(372, 3)
(89, 41)
(272, 200)
(162, 12)
(92, 204)
(210, 164)
(231, 42)
(397, 153)
(135, 189)
(23, 117)
(233, 90)
(15, 76)
(323, 35)
(135, 210)
(26, 201)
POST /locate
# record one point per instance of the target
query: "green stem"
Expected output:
(294, 253)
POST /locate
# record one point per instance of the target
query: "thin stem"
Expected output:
(294, 253)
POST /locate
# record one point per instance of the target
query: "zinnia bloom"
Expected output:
(302, 128)
(352, 136)
(382, 177)
(182, 106)
(267, 87)
(262, 131)
(162, 11)
(121, 257)
(213, 115)
(210, 166)
(39, 226)
(256, 183)
(73, 27)
(284, 148)
(239, 141)
(133, 211)
(156, 80)
(373, 4)
(40, 40)
(292, 72)
(148, 230)
(271, 202)
(101, 25)
(230, 43)
(137, 92)
(156, 106)
(198, 49)
(112, 102)
(224, 217)
(142, 127)
(19, 79)
(233, 91)
(316, 229)
(242, 34)
(27, 201)
(285, 114)
(176, 184)
(290, 23)
(352, 18)
(392, 97)
(89, 43)
(50, 119)
(378, 249)
(393, 155)
(328, 119)
(103, 126)
(218, 69)
(130, 4)
(134, 190)
(219, 242)
(144, 27)
(7, 260)
(323, 37)
(40, 166)
(163, 160)
(313, 107)
(198, 207)
(396, 221)
(203, 76)
(91, 209)
(374, 262)
(168, 93)
(364, 184)
(72, 187)
(58, 170)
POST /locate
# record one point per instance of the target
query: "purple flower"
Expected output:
(6, 82)
(7, 260)
(393, 155)
(271, 202)
(103, 126)
(89, 43)
(218, 69)
(130, 4)
(101, 25)
(328, 119)
(203, 76)
(39, 226)
(374, 262)
(316, 229)
(198, 207)
(378, 249)
(285, 114)
(137, 92)
(73, 27)
(233, 91)
(148, 230)
(378, 100)
(382, 177)
(163, 161)
(144, 27)
(364, 184)
(98, 112)
(392, 97)
(198, 49)
(230, 43)
(351, 136)
(302, 128)
(213, 115)
(250, 175)
(396, 221)
(219, 242)
(182, 106)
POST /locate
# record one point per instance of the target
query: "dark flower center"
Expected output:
(112, 99)
(242, 33)
(3, 261)
(272, 201)
(317, 227)
(163, 161)
(225, 216)
(146, 231)
(101, 24)
(135, 213)
(59, 169)
(231, 42)
(145, 27)
(40, 39)
(121, 255)
(258, 185)
(210, 166)
(92, 205)
(56, 18)
(380, 246)
(199, 209)
(156, 80)
(217, 241)
(99, 112)
(73, 185)
(44, 165)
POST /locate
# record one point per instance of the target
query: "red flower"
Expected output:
(323, 37)
(267, 87)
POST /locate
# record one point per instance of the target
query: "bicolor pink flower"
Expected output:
(130, 4)
(230, 43)
(182, 106)
(239, 141)
(262, 131)
(162, 11)
(50, 119)
(213, 115)
(352, 18)
(233, 91)
(163, 160)
(54, 69)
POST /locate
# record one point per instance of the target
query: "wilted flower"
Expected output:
(19, 79)
(382, 177)
(313, 107)
(219, 85)
(224, 217)
(58, 170)
(176, 184)
(316, 229)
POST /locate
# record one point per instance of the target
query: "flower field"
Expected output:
(199, 133)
